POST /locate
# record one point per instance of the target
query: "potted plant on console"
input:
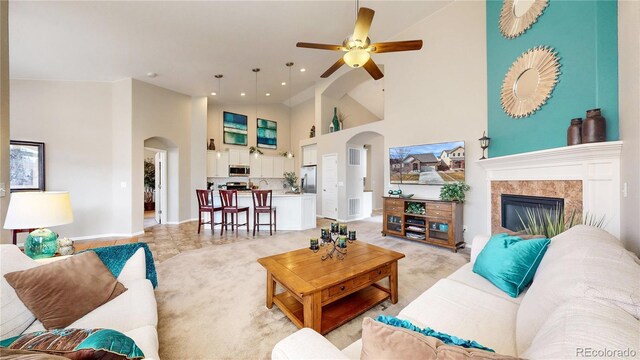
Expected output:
(454, 191)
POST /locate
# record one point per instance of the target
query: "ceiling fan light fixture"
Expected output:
(356, 58)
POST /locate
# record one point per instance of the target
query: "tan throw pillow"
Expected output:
(62, 292)
(382, 341)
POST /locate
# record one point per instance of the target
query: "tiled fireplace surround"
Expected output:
(587, 176)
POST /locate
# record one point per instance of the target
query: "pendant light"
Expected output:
(256, 70)
(218, 76)
(289, 65)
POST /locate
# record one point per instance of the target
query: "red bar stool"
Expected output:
(204, 206)
(229, 201)
(262, 205)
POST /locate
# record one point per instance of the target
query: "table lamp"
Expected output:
(29, 210)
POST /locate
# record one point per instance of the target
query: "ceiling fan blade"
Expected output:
(363, 23)
(321, 46)
(333, 68)
(385, 47)
(373, 69)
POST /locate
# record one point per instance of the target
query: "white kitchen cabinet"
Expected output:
(267, 167)
(256, 166)
(217, 164)
(310, 155)
(278, 167)
(239, 157)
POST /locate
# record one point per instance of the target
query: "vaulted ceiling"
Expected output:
(186, 42)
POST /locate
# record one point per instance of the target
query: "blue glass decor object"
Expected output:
(41, 243)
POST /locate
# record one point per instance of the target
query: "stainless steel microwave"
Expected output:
(239, 170)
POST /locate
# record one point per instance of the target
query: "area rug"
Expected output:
(211, 301)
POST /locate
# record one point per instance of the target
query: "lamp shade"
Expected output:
(29, 210)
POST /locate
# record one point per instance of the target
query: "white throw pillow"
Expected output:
(601, 271)
(134, 269)
(583, 329)
(14, 316)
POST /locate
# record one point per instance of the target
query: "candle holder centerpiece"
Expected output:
(335, 239)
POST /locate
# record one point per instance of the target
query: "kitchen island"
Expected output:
(294, 211)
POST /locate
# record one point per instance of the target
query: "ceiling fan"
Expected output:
(358, 47)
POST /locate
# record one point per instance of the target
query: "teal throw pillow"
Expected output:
(510, 262)
(77, 343)
(445, 338)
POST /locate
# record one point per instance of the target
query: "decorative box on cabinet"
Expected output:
(441, 223)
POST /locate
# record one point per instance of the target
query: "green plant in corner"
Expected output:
(454, 191)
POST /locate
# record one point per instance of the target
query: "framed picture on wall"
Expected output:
(26, 165)
(267, 134)
(234, 128)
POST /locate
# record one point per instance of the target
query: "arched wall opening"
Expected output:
(168, 192)
(364, 185)
(358, 98)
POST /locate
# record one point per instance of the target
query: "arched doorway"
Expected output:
(159, 155)
(364, 174)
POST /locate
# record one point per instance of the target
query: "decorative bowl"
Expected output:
(406, 196)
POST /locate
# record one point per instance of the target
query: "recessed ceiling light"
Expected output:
(303, 70)
(267, 94)
(152, 74)
(213, 94)
(242, 94)
(283, 83)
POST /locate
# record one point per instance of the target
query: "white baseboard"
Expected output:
(180, 222)
(100, 236)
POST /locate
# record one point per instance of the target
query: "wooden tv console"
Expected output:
(440, 225)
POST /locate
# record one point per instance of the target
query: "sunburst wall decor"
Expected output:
(530, 81)
(512, 25)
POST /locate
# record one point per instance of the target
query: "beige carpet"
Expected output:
(211, 301)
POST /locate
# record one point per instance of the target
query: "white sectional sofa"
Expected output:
(584, 302)
(133, 313)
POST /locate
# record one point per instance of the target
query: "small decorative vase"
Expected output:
(335, 122)
(66, 250)
(212, 145)
(574, 132)
(594, 127)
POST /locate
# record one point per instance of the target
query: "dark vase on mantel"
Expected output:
(212, 145)
(594, 127)
(574, 132)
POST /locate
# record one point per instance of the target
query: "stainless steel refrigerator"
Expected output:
(308, 179)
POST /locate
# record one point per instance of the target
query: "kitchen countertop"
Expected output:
(274, 194)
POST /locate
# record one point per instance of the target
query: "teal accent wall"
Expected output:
(585, 36)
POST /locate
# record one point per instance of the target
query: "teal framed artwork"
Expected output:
(235, 128)
(267, 134)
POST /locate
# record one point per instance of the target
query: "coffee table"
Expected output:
(323, 295)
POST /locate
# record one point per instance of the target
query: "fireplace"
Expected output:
(514, 208)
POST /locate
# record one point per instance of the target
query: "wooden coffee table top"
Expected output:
(304, 272)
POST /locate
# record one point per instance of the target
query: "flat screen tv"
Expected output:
(429, 164)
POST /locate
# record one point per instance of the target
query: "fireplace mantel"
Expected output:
(597, 165)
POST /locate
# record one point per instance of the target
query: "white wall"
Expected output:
(5, 235)
(121, 177)
(199, 142)
(273, 112)
(439, 94)
(629, 92)
(158, 112)
(73, 119)
(355, 114)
